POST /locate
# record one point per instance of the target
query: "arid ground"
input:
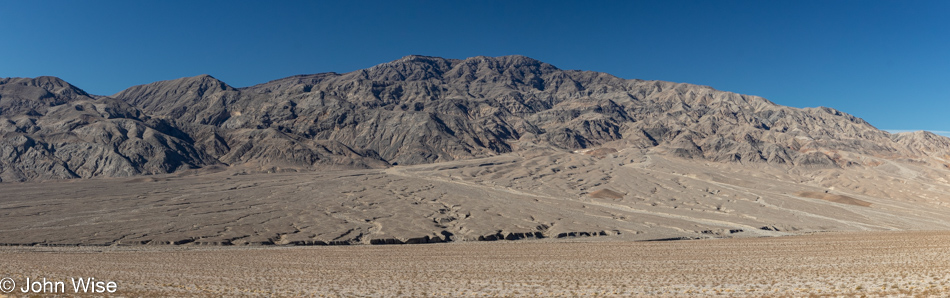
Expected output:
(825, 264)
(546, 194)
(580, 225)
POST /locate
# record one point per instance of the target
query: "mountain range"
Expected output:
(417, 110)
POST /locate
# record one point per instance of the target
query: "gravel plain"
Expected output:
(825, 265)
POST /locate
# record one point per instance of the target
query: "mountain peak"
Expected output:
(36, 95)
(49, 83)
(205, 79)
(51, 80)
(408, 68)
(415, 58)
(181, 94)
(507, 61)
(203, 82)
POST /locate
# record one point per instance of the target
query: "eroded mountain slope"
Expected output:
(427, 109)
(50, 129)
(419, 110)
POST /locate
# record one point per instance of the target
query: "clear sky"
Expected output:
(885, 61)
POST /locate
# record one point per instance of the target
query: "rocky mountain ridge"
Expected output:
(417, 110)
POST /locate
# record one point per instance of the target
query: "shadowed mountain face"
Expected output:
(415, 110)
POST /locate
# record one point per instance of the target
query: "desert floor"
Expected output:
(826, 264)
(631, 196)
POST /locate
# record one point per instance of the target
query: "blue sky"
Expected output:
(885, 61)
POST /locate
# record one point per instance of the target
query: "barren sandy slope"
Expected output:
(625, 195)
(827, 264)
